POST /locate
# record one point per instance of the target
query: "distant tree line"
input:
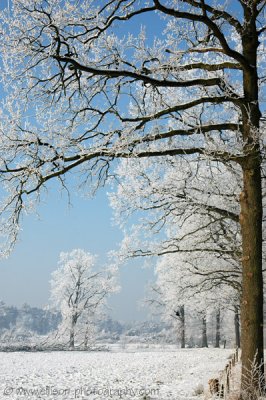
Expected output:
(21, 323)
(38, 320)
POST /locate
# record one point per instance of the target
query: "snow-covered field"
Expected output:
(163, 374)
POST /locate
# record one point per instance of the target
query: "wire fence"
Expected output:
(225, 385)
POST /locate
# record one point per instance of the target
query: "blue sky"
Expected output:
(87, 224)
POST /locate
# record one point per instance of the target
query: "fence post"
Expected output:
(224, 384)
(227, 378)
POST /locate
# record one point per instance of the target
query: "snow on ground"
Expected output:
(164, 374)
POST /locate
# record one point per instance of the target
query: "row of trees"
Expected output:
(212, 326)
(194, 208)
(80, 93)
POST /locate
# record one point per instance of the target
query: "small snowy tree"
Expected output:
(80, 291)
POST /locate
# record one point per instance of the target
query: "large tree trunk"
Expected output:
(204, 332)
(237, 327)
(183, 332)
(251, 214)
(218, 328)
(252, 286)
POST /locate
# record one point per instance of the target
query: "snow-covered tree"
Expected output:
(79, 93)
(80, 291)
(179, 285)
(186, 213)
(192, 204)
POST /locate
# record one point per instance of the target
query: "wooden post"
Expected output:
(227, 378)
